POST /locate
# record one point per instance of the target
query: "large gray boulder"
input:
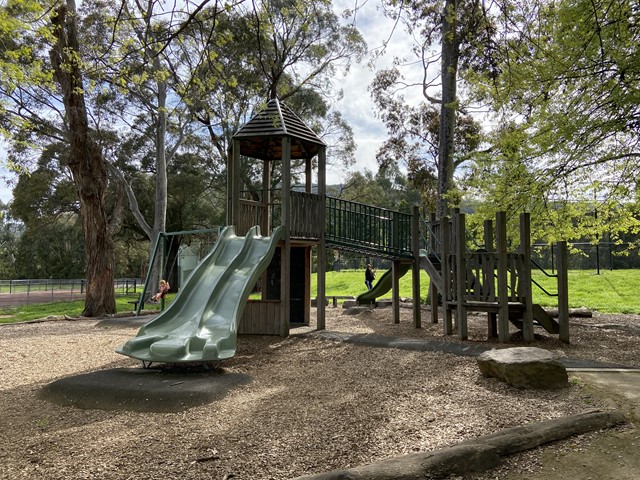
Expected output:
(524, 367)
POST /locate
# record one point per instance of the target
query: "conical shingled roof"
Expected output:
(261, 137)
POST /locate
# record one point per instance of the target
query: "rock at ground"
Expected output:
(582, 312)
(524, 367)
(357, 310)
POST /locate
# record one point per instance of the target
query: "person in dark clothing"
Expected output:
(369, 277)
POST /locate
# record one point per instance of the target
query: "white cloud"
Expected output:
(356, 106)
(6, 193)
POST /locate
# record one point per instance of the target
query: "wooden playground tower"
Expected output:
(277, 137)
(494, 280)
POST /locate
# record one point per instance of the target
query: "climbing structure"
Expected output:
(490, 279)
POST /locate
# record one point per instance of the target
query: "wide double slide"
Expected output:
(201, 324)
(382, 286)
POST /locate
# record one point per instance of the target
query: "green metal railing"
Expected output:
(350, 226)
(364, 228)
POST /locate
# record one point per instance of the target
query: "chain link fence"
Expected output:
(27, 291)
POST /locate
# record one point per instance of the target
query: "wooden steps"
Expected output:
(540, 316)
(431, 264)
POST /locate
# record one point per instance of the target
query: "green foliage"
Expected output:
(434, 140)
(54, 250)
(565, 144)
(387, 189)
(10, 231)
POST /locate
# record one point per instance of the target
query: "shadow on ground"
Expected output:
(142, 390)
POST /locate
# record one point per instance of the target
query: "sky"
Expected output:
(5, 191)
(356, 106)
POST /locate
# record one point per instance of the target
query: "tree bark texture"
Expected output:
(446, 147)
(86, 164)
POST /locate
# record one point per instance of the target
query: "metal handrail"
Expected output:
(543, 289)
(550, 275)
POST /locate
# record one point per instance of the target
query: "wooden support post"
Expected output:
(524, 282)
(503, 294)
(265, 226)
(488, 278)
(415, 270)
(233, 187)
(395, 290)
(492, 325)
(433, 247)
(308, 184)
(447, 294)
(322, 246)
(461, 276)
(285, 257)
(563, 291)
(433, 295)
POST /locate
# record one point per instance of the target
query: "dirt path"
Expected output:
(14, 299)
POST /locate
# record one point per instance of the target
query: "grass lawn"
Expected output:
(43, 310)
(613, 291)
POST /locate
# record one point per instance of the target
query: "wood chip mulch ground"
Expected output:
(312, 405)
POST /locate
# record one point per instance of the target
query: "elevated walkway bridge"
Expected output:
(349, 226)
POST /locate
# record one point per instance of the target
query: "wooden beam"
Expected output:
(415, 270)
(524, 282)
(488, 279)
(307, 175)
(461, 275)
(447, 295)
(285, 257)
(322, 246)
(395, 290)
(503, 294)
(563, 291)
(266, 198)
(233, 186)
(433, 247)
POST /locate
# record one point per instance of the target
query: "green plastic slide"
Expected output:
(201, 324)
(382, 286)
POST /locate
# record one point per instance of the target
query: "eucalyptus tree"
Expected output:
(414, 132)
(450, 36)
(42, 99)
(290, 49)
(170, 77)
(300, 46)
(567, 142)
(143, 57)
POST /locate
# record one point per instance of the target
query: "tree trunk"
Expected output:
(161, 194)
(446, 147)
(86, 164)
